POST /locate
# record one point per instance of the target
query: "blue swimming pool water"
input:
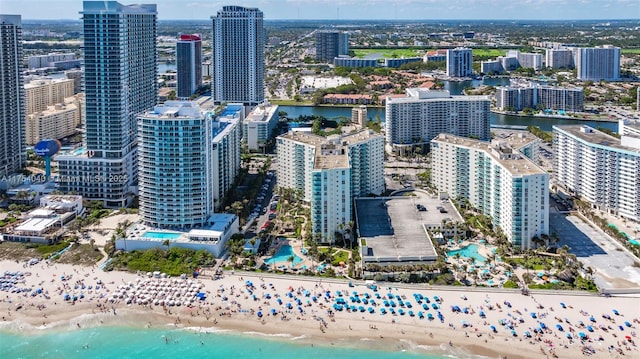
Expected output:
(161, 235)
(282, 255)
(468, 252)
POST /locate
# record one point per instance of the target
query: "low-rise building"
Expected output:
(212, 237)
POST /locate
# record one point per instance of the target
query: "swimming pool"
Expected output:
(467, 252)
(172, 236)
(282, 255)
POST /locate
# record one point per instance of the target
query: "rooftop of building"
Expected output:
(325, 162)
(61, 198)
(175, 110)
(315, 140)
(516, 139)
(217, 225)
(44, 82)
(425, 94)
(262, 113)
(595, 137)
(503, 153)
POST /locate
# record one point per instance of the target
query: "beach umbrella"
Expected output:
(429, 316)
(591, 318)
(569, 336)
(619, 326)
(361, 308)
(482, 315)
(513, 333)
(564, 306)
(425, 306)
(615, 311)
(493, 328)
(559, 327)
(370, 310)
(408, 305)
(372, 302)
(289, 306)
(401, 311)
(383, 311)
(589, 328)
(533, 315)
(582, 335)
(420, 315)
(392, 311)
(527, 334)
(259, 314)
(274, 311)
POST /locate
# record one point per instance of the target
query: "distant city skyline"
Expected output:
(353, 9)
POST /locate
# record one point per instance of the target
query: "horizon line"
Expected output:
(379, 19)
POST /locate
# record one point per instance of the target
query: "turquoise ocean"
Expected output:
(126, 342)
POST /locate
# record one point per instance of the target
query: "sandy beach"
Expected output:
(307, 307)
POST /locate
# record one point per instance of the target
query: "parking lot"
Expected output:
(393, 227)
(614, 266)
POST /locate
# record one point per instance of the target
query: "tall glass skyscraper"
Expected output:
(12, 116)
(238, 56)
(189, 64)
(120, 82)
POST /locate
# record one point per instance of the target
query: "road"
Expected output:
(615, 266)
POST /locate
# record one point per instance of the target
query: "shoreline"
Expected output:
(230, 306)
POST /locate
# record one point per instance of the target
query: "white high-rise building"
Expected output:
(423, 114)
(330, 172)
(601, 169)
(238, 56)
(259, 125)
(12, 116)
(226, 149)
(498, 180)
(120, 82)
(559, 58)
(598, 63)
(519, 96)
(175, 170)
(459, 62)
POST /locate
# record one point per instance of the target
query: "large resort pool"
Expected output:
(282, 256)
(470, 251)
(172, 236)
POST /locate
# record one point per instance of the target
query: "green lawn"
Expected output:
(489, 52)
(631, 51)
(387, 53)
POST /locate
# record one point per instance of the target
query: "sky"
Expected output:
(357, 9)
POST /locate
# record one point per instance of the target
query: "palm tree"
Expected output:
(291, 259)
(166, 243)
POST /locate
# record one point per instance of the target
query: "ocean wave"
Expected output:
(299, 337)
(206, 329)
(281, 335)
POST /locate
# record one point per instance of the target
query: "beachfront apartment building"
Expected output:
(459, 62)
(120, 82)
(12, 116)
(331, 44)
(175, 170)
(259, 125)
(40, 94)
(330, 172)
(238, 56)
(188, 64)
(498, 180)
(521, 95)
(597, 63)
(600, 169)
(491, 67)
(416, 119)
(226, 149)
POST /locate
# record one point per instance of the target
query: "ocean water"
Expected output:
(124, 342)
